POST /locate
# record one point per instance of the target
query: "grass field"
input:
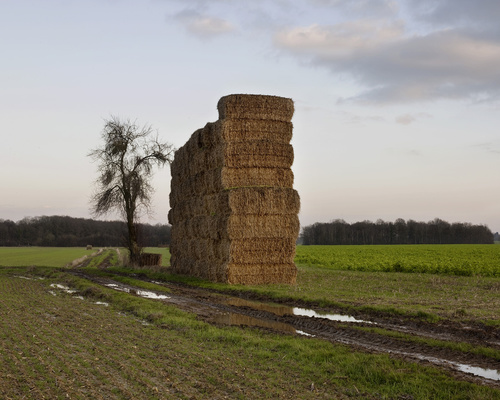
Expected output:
(55, 345)
(40, 256)
(461, 260)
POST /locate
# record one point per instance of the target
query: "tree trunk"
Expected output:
(133, 246)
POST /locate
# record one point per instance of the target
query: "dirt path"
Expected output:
(354, 331)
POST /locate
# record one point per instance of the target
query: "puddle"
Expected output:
(63, 288)
(151, 295)
(284, 310)
(142, 293)
(117, 287)
(28, 278)
(332, 317)
(477, 371)
(305, 333)
(485, 373)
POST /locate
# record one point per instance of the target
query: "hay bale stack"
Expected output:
(234, 212)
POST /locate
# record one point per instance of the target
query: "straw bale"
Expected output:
(241, 177)
(248, 200)
(242, 130)
(249, 250)
(266, 226)
(217, 180)
(240, 226)
(263, 200)
(148, 259)
(251, 106)
(258, 274)
(263, 154)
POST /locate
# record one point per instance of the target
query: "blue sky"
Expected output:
(396, 102)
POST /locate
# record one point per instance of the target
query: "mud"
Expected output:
(354, 331)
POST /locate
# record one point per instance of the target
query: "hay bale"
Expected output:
(150, 259)
(261, 274)
(242, 130)
(234, 211)
(216, 180)
(252, 106)
(249, 154)
(248, 200)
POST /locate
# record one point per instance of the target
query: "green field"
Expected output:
(40, 256)
(461, 260)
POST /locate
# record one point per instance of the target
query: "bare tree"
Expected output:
(126, 162)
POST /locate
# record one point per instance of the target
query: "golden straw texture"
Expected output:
(234, 212)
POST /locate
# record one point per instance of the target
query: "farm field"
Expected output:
(56, 344)
(461, 260)
(40, 256)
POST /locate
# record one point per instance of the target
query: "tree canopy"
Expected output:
(436, 231)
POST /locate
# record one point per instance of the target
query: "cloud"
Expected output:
(373, 8)
(203, 26)
(481, 15)
(395, 66)
(407, 119)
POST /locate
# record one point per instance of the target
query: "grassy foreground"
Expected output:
(59, 346)
(55, 345)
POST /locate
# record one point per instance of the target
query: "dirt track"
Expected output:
(292, 318)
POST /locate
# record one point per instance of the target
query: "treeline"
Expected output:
(398, 232)
(59, 231)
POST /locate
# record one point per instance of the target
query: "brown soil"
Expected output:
(239, 309)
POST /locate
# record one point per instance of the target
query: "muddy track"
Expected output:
(292, 318)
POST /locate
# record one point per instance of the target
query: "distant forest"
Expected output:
(436, 231)
(59, 231)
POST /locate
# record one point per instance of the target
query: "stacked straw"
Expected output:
(234, 212)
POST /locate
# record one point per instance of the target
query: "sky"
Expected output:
(397, 102)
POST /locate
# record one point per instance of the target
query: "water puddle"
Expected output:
(286, 310)
(151, 295)
(304, 333)
(483, 372)
(64, 288)
(142, 293)
(30, 279)
(276, 309)
(332, 317)
(477, 371)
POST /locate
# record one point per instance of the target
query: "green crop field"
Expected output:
(461, 260)
(40, 256)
